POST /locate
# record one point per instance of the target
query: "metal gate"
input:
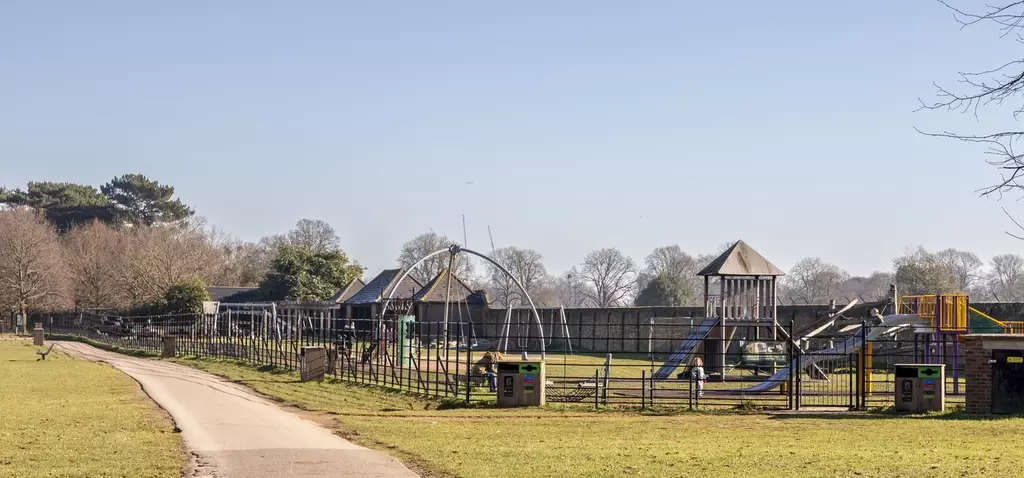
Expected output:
(1008, 381)
(830, 374)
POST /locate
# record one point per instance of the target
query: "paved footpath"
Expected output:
(235, 433)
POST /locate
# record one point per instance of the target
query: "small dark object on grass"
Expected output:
(43, 354)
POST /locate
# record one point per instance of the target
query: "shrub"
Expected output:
(186, 296)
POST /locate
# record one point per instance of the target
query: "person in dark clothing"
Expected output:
(345, 340)
(377, 344)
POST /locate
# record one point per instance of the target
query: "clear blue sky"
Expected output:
(581, 124)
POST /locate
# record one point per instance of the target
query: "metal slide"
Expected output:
(850, 346)
(686, 348)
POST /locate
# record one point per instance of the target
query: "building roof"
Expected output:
(740, 260)
(348, 291)
(437, 290)
(377, 289)
(234, 294)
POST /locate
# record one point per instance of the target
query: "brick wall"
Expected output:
(978, 372)
(978, 375)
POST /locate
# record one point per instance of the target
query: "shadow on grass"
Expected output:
(892, 414)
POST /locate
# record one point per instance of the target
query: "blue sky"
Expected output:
(580, 124)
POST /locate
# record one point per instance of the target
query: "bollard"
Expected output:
(170, 347)
(37, 335)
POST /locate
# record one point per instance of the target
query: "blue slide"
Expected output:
(851, 345)
(682, 353)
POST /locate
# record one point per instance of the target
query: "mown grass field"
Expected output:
(65, 417)
(565, 441)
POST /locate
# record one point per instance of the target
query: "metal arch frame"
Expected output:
(453, 250)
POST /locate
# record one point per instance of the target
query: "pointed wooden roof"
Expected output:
(348, 291)
(740, 260)
(437, 290)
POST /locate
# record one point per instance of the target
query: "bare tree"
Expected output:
(873, 287)
(921, 272)
(32, 272)
(572, 289)
(525, 264)
(152, 259)
(423, 244)
(681, 267)
(314, 234)
(670, 260)
(814, 280)
(964, 266)
(547, 292)
(92, 255)
(1007, 277)
(992, 87)
(610, 277)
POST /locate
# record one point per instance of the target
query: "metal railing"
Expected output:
(595, 364)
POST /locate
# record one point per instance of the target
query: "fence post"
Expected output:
(607, 372)
(862, 365)
(597, 383)
(650, 400)
(791, 356)
(643, 389)
(796, 371)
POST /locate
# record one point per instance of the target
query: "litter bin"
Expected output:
(920, 387)
(406, 351)
(37, 334)
(521, 384)
(312, 364)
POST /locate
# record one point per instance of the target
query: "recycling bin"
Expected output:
(406, 351)
(920, 387)
(521, 384)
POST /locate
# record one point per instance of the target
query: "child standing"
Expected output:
(698, 375)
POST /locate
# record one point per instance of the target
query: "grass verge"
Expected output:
(65, 417)
(577, 441)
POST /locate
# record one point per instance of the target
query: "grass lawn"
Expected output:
(563, 441)
(65, 417)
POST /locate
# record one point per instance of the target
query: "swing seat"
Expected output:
(583, 391)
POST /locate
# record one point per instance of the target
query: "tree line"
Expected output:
(668, 277)
(131, 246)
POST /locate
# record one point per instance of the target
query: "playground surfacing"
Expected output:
(574, 441)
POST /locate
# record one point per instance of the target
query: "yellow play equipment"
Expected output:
(953, 314)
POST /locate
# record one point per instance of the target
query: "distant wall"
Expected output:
(628, 329)
(618, 329)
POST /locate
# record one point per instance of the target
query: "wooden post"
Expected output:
(721, 334)
(708, 309)
(775, 310)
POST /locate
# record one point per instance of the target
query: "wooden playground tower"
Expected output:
(747, 295)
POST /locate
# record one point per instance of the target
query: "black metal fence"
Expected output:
(747, 365)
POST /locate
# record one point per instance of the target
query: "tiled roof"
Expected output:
(348, 291)
(234, 294)
(437, 290)
(740, 260)
(378, 288)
